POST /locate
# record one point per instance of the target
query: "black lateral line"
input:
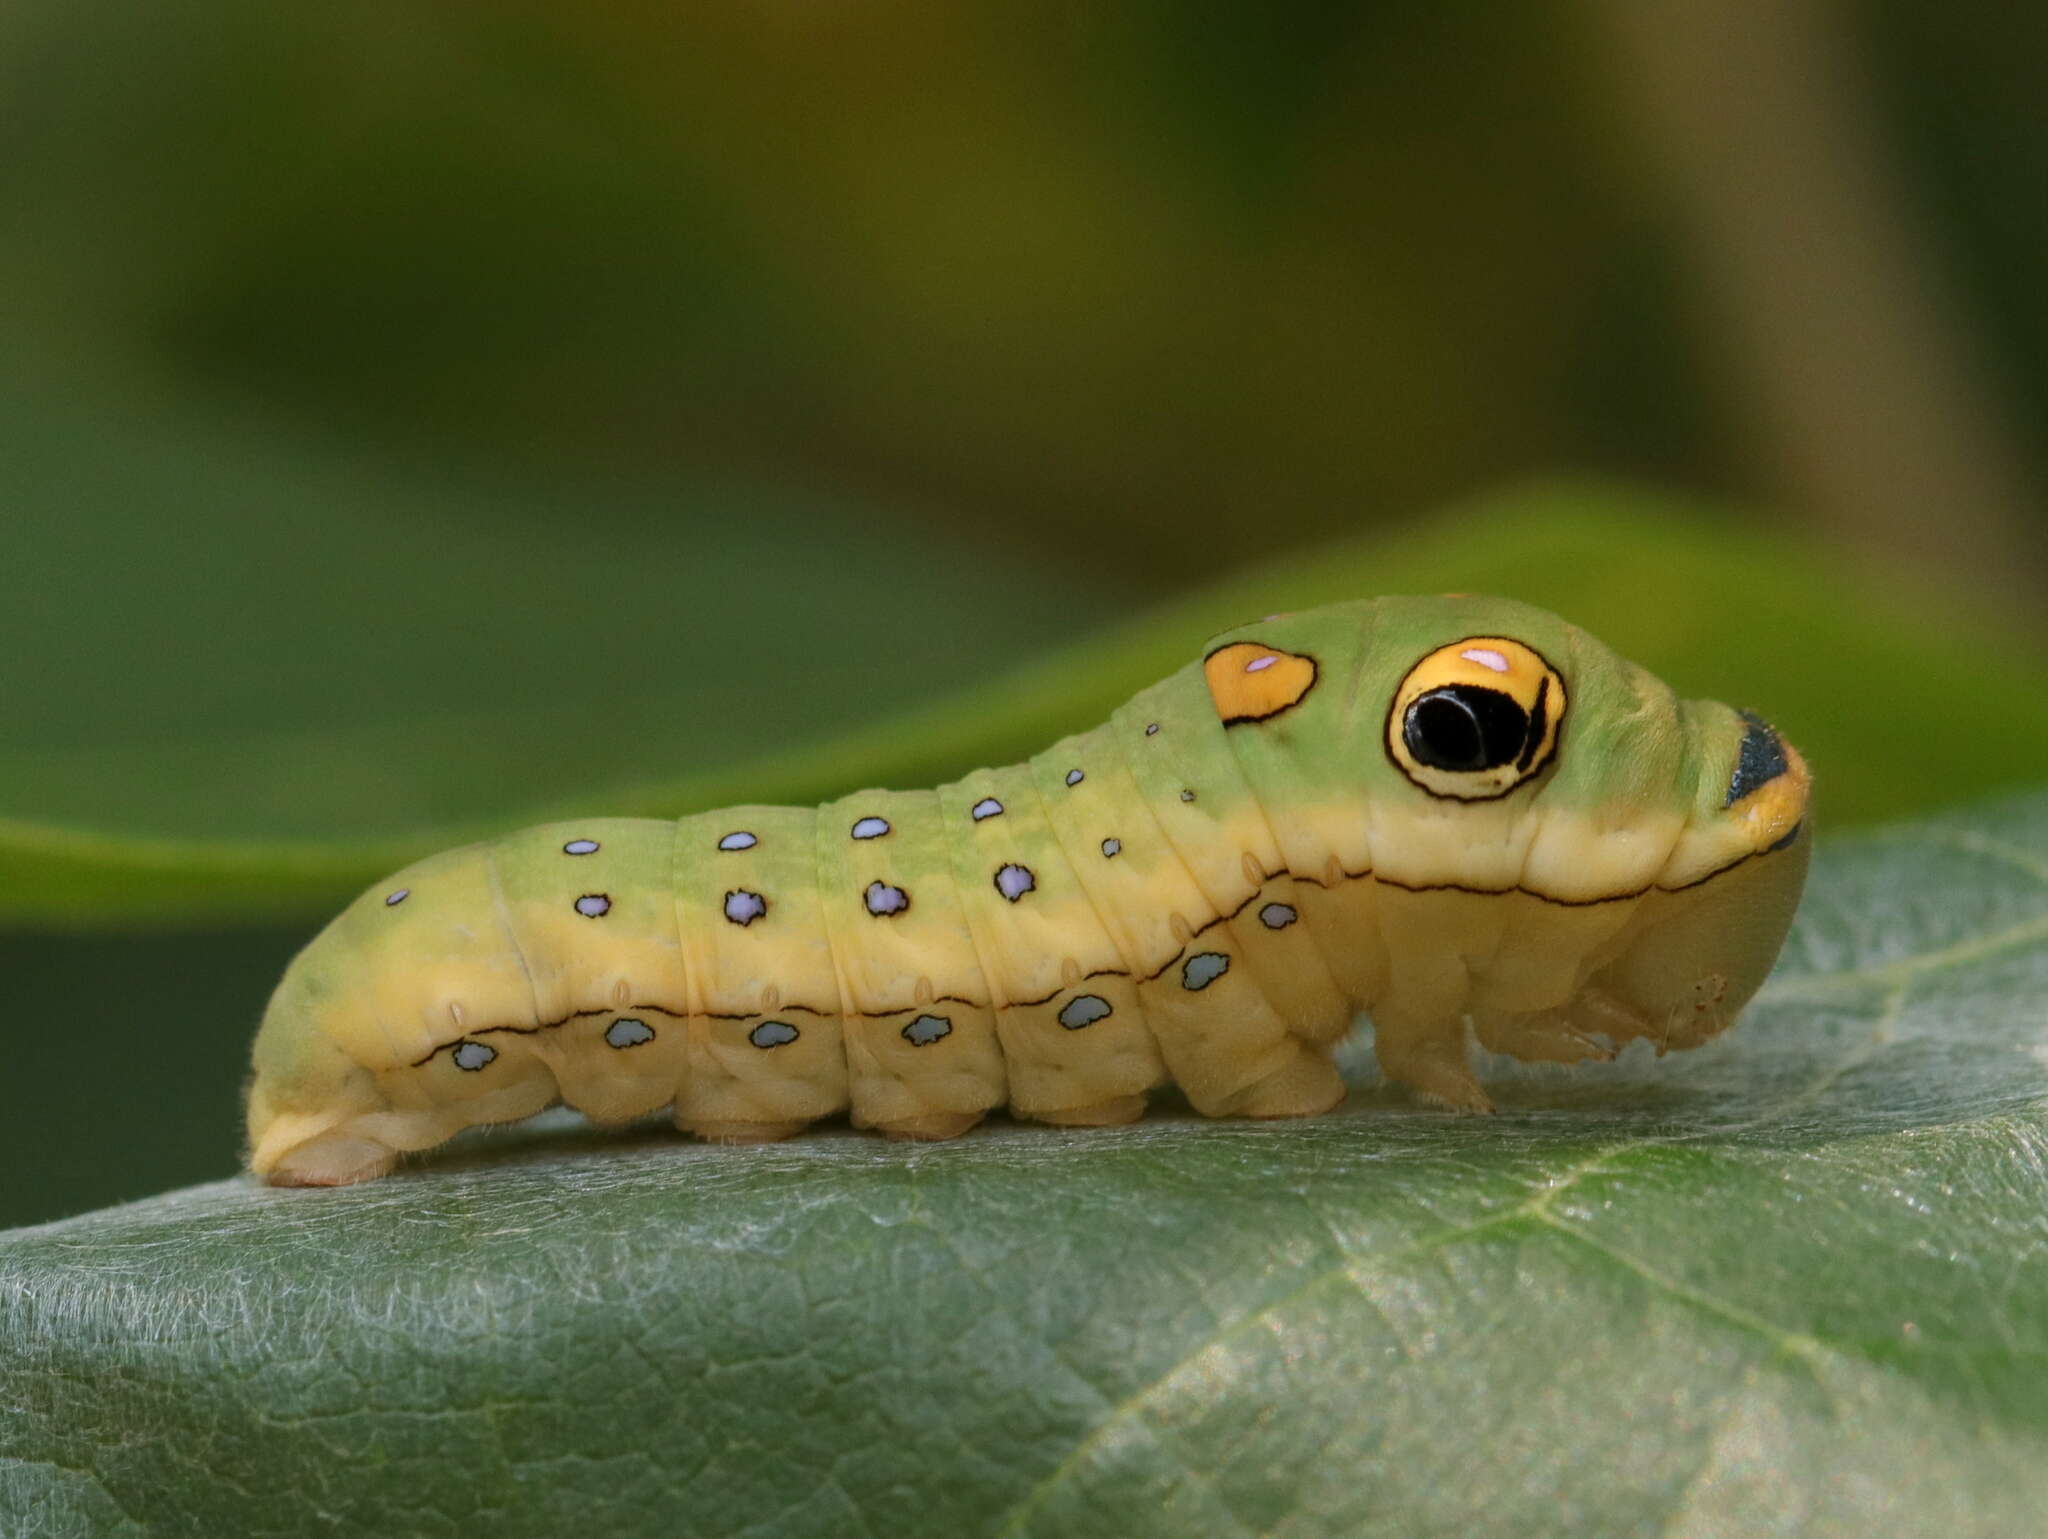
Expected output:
(1116, 972)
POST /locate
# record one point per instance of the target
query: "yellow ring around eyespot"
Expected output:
(1774, 808)
(1498, 663)
(1249, 681)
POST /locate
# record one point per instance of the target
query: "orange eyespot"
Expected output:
(1250, 681)
(1475, 719)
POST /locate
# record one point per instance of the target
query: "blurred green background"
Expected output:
(417, 417)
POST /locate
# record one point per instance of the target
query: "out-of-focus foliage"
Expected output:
(1151, 287)
(1321, 259)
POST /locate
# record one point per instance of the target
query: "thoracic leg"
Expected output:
(1546, 1037)
(1431, 1059)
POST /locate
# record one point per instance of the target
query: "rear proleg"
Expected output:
(333, 1159)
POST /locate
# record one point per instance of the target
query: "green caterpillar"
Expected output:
(1460, 814)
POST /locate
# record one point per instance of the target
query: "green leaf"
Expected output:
(1796, 1281)
(1899, 703)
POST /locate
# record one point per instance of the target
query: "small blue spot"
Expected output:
(743, 907)
(987, 807)
(473, 1055)
(1203, 969)
(627, 1032)
(1084, 1010)
(926, 1030)
(393, 899)
(870, 828)
(741, 840)
(1187, 796)
(593, 905)
(1111, 848)
(1151, 729)
(1277, 916)
(883, 900)
(1075, 777)
(772, 1034)
(580, 847)
(1013, 881)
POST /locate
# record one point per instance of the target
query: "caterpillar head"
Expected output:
(1597, 788)
(1707, 935)
(1595, 842)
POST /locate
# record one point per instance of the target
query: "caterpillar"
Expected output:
(1459, 814)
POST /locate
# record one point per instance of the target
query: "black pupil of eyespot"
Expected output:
(1462, 727)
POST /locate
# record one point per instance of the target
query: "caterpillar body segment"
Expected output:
(760, 969)
(1242, 1042)
(921, 1047)
(1052, 972)
(1459, 814)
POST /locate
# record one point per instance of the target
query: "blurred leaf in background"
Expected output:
(1190, 271)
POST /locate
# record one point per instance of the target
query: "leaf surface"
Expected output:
(1796, 1281)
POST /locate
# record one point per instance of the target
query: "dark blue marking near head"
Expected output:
(1759, 761)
